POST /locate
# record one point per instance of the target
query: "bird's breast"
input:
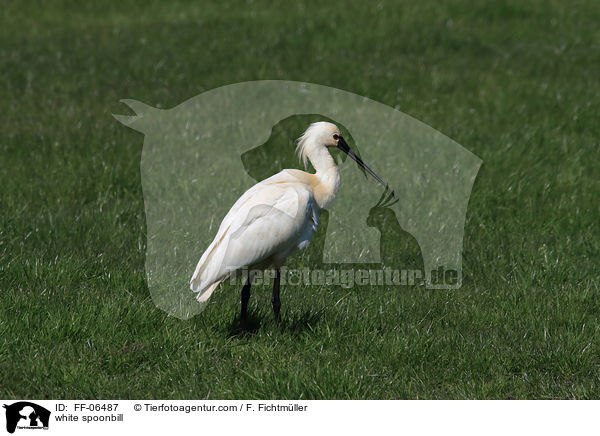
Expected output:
(326, 188)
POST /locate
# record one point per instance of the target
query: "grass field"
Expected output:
(514, 82)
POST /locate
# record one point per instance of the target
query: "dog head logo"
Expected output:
(26, 415)
(194, 167)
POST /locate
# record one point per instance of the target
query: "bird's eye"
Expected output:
(336, 137)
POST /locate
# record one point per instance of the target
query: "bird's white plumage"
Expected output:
(274, 217)
(267, 223)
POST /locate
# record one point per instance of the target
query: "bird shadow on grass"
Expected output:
(305, 321)
(302, 322)
(243, 328)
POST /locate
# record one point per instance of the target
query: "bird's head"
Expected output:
(324, 134)
(320, 134)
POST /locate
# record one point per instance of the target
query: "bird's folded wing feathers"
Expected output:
(266, 217)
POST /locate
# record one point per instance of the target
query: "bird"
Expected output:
(276, 217)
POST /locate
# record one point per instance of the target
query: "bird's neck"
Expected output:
(327, 175)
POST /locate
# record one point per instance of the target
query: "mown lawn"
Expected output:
(515, 82)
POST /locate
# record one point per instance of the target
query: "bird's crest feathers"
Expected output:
(314, 131)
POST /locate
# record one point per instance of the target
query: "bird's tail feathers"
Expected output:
(209, 272)
(204, 296)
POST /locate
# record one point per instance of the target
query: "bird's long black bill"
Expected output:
(343, 145)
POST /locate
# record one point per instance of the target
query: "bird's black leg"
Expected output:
(245, 298)
(275, 298)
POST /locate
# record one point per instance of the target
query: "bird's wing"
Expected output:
(285, 177)
(264, 221)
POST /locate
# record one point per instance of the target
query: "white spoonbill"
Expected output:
(275, 217)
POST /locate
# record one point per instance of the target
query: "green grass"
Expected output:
(514, 82)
